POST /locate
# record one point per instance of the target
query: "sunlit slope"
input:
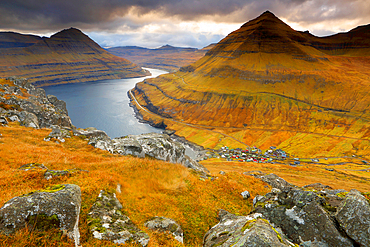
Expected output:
(67, 56)
(269, 77)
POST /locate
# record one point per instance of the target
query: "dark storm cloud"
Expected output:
(103, 14)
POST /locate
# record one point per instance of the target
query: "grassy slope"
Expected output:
(149, 187)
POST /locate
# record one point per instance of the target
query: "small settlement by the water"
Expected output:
(250, 154)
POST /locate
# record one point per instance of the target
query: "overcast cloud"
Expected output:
(196, 23)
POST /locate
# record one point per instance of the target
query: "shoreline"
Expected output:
(197, 150)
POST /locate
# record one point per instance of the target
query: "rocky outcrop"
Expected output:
(353, 216)
(155, 145)
(315, 215)
(251, 230)
(164, 224)
(107, 222)
(37, 110)
(49, 174)
(55, 207)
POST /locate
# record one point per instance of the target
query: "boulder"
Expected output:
(245, 194)
(353, 216)
(49, 174)
(166, 225)
(32, 166)
(302, 216)
(271, 179)
(107, 222)
(3, 121)
(60, 105)
(97, 138)
(57, 133)
(57, 206)
(251, 230)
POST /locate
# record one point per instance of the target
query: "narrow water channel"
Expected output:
(103, 105)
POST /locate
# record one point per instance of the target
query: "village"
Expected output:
(253, 154)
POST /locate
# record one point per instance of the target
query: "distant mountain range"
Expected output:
(66, 57)
(167, 57)
(267, 84)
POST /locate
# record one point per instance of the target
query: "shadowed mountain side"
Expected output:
(167, 57)
(267, 76)
(66, 57)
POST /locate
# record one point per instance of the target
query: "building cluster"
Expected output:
(252, 154)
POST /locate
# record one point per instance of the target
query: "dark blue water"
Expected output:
(103, 105)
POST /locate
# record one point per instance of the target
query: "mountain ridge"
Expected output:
(269, 78)
(67, 56)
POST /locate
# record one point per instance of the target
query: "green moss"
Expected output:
(53, 188)
(342, 194)
(329, 208)
(50, 189)
(43, 222)
(95, 224)
(248, 225)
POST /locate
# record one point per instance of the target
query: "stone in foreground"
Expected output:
(251, 230)
(57, 206)
(166, 225)
(353, 216)
(107, 222)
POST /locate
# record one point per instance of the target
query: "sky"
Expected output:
(184, 23)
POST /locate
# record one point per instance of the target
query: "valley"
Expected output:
(278, 121)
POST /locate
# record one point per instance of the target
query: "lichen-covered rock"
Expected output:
(158, 146)
(251, 230)
(49, 174)
(31, 166)
(3, 121)
(97, 138)
(164, 224)
(57, 206)
(245, 194)
(302, 217)
(37, 110)
(58, 134)
(107, 221)
(353, 216)
(273, 180)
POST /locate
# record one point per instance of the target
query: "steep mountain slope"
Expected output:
(167, 57)
(267, 84)
(66, 57)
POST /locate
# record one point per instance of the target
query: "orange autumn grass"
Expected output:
(149, 187)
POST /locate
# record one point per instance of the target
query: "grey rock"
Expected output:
(60, 105)
(49, 174)
(14, 118)
(251, 230)
(107, 222)
(222, 173)
(245, 194)
(166, 225)
(272, 180)
(57, 133)
(302, 218)
(353, 216)
(58, 206)
(32, 166)
(3, 121)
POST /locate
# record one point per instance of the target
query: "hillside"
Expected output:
(54, 174)
(266, 84)
(68, 56)
(167, 57)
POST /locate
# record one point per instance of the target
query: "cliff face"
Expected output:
(66, 57)
(268, 77)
